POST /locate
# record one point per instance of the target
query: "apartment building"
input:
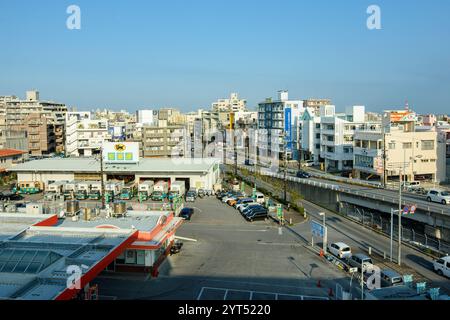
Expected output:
(411, 150)
(336, 133)
(309, 136)
(278, 127)
(43, 122)
(233, 104)
(84, 135)
(163, 140)
(147, 117)
(42, 135)
(314, 105)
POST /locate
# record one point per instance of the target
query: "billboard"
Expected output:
(288, 128)
(402, 116)
(121, 152)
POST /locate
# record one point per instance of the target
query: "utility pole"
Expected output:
(400, 219)
(101, 178)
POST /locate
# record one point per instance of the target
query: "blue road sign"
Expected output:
(317, 229)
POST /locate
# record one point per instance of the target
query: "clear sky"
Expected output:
(187, 53)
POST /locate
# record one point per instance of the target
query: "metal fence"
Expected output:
(376, 221)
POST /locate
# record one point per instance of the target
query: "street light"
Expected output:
(325, 232)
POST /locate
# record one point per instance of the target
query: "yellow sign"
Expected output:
(120, 147)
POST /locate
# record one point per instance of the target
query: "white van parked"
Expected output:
(340, 249)
(259, 198)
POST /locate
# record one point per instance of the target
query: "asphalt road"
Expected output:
(232, 259)
(361, 238)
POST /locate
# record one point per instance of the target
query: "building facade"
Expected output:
(278, 127)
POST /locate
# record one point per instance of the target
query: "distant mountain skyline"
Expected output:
(187, 54)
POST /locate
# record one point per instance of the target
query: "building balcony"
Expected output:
(367, 152)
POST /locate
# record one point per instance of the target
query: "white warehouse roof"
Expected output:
(196, 165)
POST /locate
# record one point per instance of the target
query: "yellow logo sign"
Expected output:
(120, 147)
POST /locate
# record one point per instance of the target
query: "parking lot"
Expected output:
(231, 259)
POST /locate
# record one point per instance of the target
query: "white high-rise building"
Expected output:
(233, 104)
(147, 117)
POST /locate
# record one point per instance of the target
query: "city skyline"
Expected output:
(153, 55)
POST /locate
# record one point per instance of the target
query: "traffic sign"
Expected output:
(317, 229)
(413, 209)
(353, 270)
(406, 210)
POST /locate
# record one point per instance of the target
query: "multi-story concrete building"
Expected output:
(278, 127)
(37, 118)
(315, 104)
(146, 117)
(309, 136)
(233, 104)
(336, 132)
(163, 140)
(410, 150)
(85, 135)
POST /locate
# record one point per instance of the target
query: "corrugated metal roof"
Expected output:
(93, 165)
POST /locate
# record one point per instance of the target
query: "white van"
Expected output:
(259, 198)
(442, 266)
(440, 196)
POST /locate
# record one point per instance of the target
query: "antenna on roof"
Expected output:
(406, 105)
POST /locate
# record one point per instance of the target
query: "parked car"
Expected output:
(243, 201)
(186, 213)
(190, 196)
(390, 278)
(176, 247)
(340, 250)
(232, 202)
(257, 213)
(251, 207)
(361, 261)
(231, 197)
(436, 195)
(259, 197)
(303, 174)
(201, 193)
(442, 266)
(227, 194)
(243, 206)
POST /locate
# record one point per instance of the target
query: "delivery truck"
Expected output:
(177, 189)
(129, 191)
(160, 191)
(145, 190)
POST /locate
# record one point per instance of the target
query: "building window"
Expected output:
(391, 145)
(407, 145)
(427, 144)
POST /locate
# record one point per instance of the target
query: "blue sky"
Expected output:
(188, 53)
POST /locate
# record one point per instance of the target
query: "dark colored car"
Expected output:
(10, 196)
(186, 213)
(251, 208)
(303, 174)
(176, 247)
(258, 213)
